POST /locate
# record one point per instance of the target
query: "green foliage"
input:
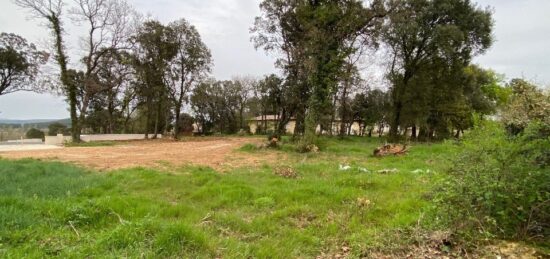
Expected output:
(216, 105)
(34, 133)
(19, 63)
(498, 187)
(56, 128)
(433, 42)
(191, 63)
(527, 104)
(315, 38)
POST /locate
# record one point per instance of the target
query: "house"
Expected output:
(257, 123)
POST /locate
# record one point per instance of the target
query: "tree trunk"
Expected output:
(71, 88)
(148, 119)
(157, 119)
(177, 123)
(333, 115)
(344, 114)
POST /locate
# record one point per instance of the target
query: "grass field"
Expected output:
(55, 209)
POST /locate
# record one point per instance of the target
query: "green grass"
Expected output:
(54, 209)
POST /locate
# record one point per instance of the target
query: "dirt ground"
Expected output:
(218, 153)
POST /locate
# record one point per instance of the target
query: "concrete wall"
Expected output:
(56, 140)
(60, 139)
(289, 127)
(114, 137)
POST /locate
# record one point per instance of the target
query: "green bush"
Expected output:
(57, 128)
(499, 186)
(34, 133)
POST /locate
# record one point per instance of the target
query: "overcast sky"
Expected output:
(522, 47)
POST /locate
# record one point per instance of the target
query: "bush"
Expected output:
(56, 128)
(499, 186)
(35, 133)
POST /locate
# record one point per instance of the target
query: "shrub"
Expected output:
(56, 128)
(499, 186)
(35, 133)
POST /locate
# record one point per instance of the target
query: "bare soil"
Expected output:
(218, 153)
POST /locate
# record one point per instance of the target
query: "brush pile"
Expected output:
(390, 149)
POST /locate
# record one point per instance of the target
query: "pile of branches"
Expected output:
(390, 149)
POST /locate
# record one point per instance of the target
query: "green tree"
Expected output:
(432, 42)
(372, 109)
(313, 37)
(19, 64)
(191, 63)
(216, 106)
(56, 128)
(34, 133)
(156, 46)
(527, 104)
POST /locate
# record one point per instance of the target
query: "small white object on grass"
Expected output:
(364, 170)
(344, 167)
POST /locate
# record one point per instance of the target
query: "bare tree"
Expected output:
(109, 25)
(51, 11)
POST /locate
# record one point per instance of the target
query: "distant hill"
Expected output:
(35, 123)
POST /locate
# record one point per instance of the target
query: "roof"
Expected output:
(266, 117)
(276, 118)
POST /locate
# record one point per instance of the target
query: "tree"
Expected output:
(313, 35)
(371, 107)
(51, 11)
(56, 128)
(216, 106)
(192, 61)
(34, 133)
(155, 48)
(431, 43)
(19, 63)
(116, 77)
(109, 25)
(526, 105)
(243, 89)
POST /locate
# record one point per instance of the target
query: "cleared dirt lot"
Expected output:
(218, 153)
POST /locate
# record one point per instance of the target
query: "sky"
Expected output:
(521, 49)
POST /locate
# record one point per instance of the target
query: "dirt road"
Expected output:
(218, 153)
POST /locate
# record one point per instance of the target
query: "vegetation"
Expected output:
(56, 128)
(19, 64)
(53, 209)
(498, 187)
(34, 133)
(137, 75)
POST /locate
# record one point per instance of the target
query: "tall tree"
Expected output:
(314, 37)
(109, 25)
(51, 11)
(243, 89)
(155, 48)
(432, 41)
(19, 64)
(191, 63)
